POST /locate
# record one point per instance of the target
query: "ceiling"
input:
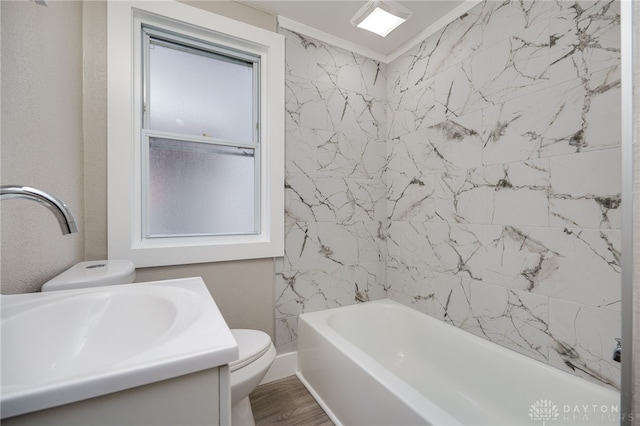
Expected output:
(333, 17)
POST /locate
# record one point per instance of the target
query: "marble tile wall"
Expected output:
(335, 251)
(475, 178)
(503, 179)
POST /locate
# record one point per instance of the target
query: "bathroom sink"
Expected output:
(65, 346)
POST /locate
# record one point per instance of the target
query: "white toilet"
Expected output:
(256, 349)
(256, 356)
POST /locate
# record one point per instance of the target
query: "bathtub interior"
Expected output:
(473, 380)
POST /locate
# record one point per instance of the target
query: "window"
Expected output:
(201, 149)
(196, 136)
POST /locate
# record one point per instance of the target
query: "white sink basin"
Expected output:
(65, 346)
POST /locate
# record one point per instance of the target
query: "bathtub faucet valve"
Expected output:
(617, 352)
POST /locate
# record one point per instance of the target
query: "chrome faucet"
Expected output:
(62, 212)
(617, 352)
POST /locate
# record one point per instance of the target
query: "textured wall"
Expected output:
(504, 180)
(41, 138)
(335, 157)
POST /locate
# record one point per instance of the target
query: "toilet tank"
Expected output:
(94, 273)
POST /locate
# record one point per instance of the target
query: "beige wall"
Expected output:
(71, 38)
(41, 138)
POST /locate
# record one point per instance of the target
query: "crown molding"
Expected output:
(297, 27)
(445, 20)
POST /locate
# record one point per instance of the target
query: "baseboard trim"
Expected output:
(284, 365)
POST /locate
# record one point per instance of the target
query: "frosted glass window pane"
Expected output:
(196, 93)
(200, 189)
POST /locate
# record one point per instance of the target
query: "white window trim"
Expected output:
(123, 122)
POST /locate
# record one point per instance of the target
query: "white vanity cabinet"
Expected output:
(153, 354)
(196, 399)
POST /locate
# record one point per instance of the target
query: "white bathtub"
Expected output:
(382, 363)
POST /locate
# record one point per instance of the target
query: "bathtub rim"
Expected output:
(408, 395)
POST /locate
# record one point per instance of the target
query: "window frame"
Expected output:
(125, 149)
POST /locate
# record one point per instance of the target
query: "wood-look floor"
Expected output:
(286, 402)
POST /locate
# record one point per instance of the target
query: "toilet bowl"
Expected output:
(256, 356)
(256, 351)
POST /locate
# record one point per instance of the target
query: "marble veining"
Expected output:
(335, 231)
(537, 183)
(475, 178)
(585, 37)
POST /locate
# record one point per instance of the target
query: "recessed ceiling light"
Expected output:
(380, 16)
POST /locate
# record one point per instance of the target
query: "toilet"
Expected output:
(256, 351)
(256, 356)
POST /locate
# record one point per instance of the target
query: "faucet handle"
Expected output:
(617, 352)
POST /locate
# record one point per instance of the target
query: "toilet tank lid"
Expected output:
(252, 344)
(93, 273)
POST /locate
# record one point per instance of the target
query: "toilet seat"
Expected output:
(252, 344)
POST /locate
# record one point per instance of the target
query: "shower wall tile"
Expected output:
(586, 189)
(320, 62)
(511, 318)
(579, 336)
(407, 155)
(411, 199)
(580, 265)
(326, 107)
(502, 19)
(459, 39)
(335, 197)
(370, 281)
(454, 143)
(475, 179)
(413, 110)
(524, 128)
(332, 199)
(325, 244)
(351, 71)
(411, 286)
(455, 92)
(315, 289)
(317, 199)
(286, 333)
(520, 192)
(407, 245)
(511, 68)
(301, 154)
(585, 37)
(515, 193)
(353, 156)
(503, 178)
(454, 249)
(575, 116)
(301, 59)
(514, 319)
(463, 196)
(317, 152)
